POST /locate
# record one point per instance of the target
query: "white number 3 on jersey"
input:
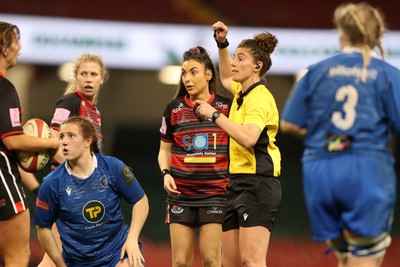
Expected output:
(348, 94)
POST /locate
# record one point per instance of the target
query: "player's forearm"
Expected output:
(225, 68)
(245, 135)
(139, 215)
(293, 129)
(29, 180)
(28, 143)
(164, 155)
(49, 245)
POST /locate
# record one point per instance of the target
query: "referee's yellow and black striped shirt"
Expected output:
(258, 108)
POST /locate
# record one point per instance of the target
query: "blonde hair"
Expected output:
(364, 26)
(82, 59)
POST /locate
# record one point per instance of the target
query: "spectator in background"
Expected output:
(193, 161)
(345, 107)
(14, 213)
(254, 192)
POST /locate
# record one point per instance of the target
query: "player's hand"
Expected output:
(55, 144)
(220, 31)
(204, 110)
(170, 186)
(132, 251)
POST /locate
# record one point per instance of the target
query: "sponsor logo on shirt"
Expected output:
(214, 210)
(60, 115)
(15, 117)
(163, 128)
(93, 211)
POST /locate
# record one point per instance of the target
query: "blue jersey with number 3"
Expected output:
(332, 98)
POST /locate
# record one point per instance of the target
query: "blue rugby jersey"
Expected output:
(332, 99)
(87, 211)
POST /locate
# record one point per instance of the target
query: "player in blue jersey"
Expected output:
(80, 99)
(14, 212)
(346, 107)
(82, 196)
(193, 158)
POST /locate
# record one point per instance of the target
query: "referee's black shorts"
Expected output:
(252, 200)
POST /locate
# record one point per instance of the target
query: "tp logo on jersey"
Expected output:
(93, 211)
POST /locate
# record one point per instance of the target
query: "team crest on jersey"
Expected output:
(93, 211)
(128, 175)
(176, 209)
(104, 181)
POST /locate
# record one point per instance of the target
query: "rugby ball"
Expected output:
(35, 161)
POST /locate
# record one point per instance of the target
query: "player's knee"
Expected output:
(210, 262)
(180, 262)
(369, 246)
(340, 248)
(360, 246)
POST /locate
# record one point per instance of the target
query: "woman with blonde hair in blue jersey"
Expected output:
(346, 107)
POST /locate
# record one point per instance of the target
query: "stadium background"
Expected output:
(132, 102)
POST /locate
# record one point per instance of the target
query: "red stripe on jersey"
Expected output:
(196, 187)
(19, 206)
(17, 132)
(41, 204)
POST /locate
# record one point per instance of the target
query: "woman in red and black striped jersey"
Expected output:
(14, 213)
(254, 192)
(80, 100)
(193, 160)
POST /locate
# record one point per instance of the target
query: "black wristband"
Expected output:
(215, 116)
(165, 172)
(222, 45)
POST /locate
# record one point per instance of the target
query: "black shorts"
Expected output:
(12, 195)
(194, 216)
(252, 200)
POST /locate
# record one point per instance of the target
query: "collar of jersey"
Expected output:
(352, 49)
(83, 98)
(70, 172)
(187, 99)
